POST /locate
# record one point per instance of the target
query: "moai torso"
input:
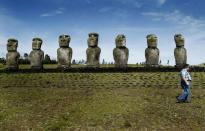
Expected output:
(64, 57)
(64, 53)
(180, 52)
(121, 52)
(12, 57)
(93, 51)
(36, 56)
(152, 52)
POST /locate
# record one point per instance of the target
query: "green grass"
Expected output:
(1, 66)
(99, 101)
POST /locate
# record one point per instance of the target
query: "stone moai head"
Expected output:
(12, 45)
(152, 41)
(36, 43)
(64, 40)
(93, 40)
(179, 40)
(120, 41)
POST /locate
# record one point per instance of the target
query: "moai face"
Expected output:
(93, 40)
(64, 40)
(36, 43)
(12, 45)
(120, 41)
(179, 40)
(152, 41)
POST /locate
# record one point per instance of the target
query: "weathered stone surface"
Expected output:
(64, 53)
(36, 56)
(93, 51)
(12, 57)
(180, 52)
(152, 52)
(121, 52)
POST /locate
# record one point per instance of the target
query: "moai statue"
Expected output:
(121, 52)
(36, 56)
(64, 53)
(180, 52)
(12, 57)
(93, 51)
(152, 52)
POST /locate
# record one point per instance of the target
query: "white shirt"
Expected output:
(185, 74)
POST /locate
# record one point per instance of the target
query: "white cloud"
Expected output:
(46, 15)
(88, 1)
(140, 3)
(53, 13)
(115, 12)
(59, 12)
(161, 2)
(121, 13)
(105, 9)
(135, 3)
(175, 17)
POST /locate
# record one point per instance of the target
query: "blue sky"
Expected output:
(25, 19)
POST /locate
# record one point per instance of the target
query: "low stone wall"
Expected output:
(104, 70)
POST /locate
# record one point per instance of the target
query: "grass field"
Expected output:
(99, 101)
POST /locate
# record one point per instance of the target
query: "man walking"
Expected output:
(185, 84)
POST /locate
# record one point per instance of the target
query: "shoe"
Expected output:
(179, 100)
(177, 97)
